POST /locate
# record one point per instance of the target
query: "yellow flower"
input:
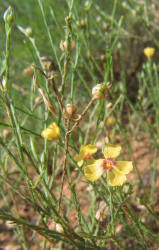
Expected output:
(116, 170)
(149, 52)
(52, 132)
(86, 152)
(110, 121)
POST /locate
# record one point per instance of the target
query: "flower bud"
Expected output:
(52, 132)
(28, 71)
(9, 16)
(98, 19)
(109, 105)
(110, 121)
(106, 26)
(100, 91)
(38, 100)
(83, 24)
(59, 228)
(149, 52)
(63, 45)
(29, 31)
(6, 133)
(72, 45)
(103, 57)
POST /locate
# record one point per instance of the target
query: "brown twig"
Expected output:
(47, 102)
(64, 165)
(51, 80)
(82, 115)
(68, 132)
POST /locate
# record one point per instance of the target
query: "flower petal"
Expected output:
(89, 149)
(124, 166)
(94, 171)
(52, 132)
(79, 157)
(84, 150)
(114, 179)
(80, 163)
(112, 151)
(90, 161)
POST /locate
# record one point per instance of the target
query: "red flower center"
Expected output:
(108, 164)
(87, 157)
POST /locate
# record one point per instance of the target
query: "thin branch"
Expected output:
(65, 162)
(81, 116)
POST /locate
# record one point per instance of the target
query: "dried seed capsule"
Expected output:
(69, 111)
(47, 64)
(100, 91)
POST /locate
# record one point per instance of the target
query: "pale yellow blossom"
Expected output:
(116, 170)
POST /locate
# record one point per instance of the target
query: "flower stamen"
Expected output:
(87, 157)
(108, 164)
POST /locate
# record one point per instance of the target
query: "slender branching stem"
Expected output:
(65, 163)
(82, 115)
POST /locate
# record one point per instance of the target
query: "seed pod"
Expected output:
(6, 133)
(100, 91)
(69, 111)
(47, 64)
